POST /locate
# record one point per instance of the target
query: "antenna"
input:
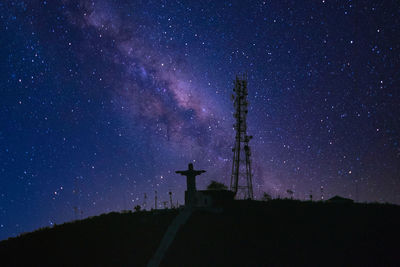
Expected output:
(76, 212)
(75, 192)
(356, 190)
(124, 199)
(290, 193)
(144, 201)
(241, 179)
(322, 193)
(155, 200)
(170, 199)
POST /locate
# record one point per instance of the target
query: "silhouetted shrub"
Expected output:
(214, 185)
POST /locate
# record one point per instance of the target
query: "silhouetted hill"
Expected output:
(112, 239)
(245, 233)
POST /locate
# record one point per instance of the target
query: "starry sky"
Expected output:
(101, 101)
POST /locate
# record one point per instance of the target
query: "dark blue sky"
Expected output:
(101, 101)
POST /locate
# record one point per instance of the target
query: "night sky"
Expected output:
(101, 101)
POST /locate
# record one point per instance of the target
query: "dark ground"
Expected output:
(246, 233)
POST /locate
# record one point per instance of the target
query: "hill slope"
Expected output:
(246, 233)
(112, 239)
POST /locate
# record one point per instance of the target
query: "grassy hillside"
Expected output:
(112, 239)
(246, 233)
(290, 233)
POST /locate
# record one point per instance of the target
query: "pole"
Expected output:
(155, 200)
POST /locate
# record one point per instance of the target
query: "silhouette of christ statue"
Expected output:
(190, 182)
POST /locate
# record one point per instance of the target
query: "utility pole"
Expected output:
(76, 194)
(356, 190)
(144, 201)
(76, 212)
(124, 199)
(170, 199)
(155, 200)
(241, 179)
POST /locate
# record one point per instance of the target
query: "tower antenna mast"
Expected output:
(241, 179)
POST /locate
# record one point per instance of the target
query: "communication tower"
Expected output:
(241, 179)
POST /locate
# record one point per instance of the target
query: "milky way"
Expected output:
(103, 100)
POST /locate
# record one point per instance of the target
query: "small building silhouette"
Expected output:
(339, 199)
(211, 198)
